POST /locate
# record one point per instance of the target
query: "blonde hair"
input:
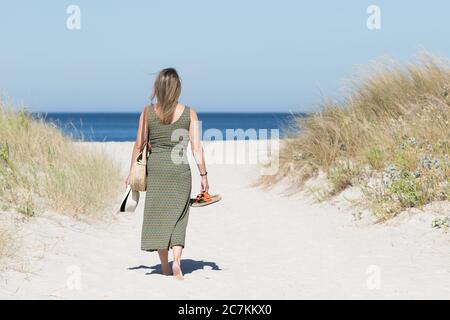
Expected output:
(167, 90)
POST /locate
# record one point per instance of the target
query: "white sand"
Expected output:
(255, 244)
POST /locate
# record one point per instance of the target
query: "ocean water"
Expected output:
(123, 126)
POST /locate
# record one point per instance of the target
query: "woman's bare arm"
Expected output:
(137, 144)
(197, 149)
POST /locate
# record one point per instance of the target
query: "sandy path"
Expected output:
(262, 246)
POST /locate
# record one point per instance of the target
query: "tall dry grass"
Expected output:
(41, 168)
(390, 136)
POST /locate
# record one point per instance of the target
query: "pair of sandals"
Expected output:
(204, 199)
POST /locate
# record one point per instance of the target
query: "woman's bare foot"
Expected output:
(166, 270)
(176, 269)
(164, 258)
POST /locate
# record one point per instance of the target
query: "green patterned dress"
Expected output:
(166, 209)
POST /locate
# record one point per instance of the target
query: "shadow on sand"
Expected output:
(188, 266)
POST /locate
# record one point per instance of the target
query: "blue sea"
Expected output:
(123, 126)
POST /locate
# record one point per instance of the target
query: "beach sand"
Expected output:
(254, 244)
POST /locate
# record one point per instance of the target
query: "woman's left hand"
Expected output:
(204, 184)
(127, 180)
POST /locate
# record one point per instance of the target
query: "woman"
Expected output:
(166, 210)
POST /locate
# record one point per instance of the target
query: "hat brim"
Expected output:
(129, 201)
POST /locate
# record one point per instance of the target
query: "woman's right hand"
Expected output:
(204, 184)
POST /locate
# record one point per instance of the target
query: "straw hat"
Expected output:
(129, 201)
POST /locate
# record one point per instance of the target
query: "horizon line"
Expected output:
(199, 112)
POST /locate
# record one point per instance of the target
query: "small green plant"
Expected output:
(375, 157)
(406, 159)
(26, 209)
(342, 175)
(446, 192)
(407, 190)
(320, 194)
(357, 216)
(4, 153)
(441, 223)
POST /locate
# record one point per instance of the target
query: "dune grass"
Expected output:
(40, 168)
(390, 136)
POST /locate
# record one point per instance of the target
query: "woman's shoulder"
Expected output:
(191, 110)
(188, 110)
(192, 113)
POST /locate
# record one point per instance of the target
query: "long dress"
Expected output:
(166, 209)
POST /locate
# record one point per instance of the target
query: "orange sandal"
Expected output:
(204, 199)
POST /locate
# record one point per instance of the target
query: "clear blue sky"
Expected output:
(232, 55)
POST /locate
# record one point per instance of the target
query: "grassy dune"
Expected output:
(42, 169)
(390, 136)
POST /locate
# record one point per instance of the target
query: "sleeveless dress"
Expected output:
(166, 208)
